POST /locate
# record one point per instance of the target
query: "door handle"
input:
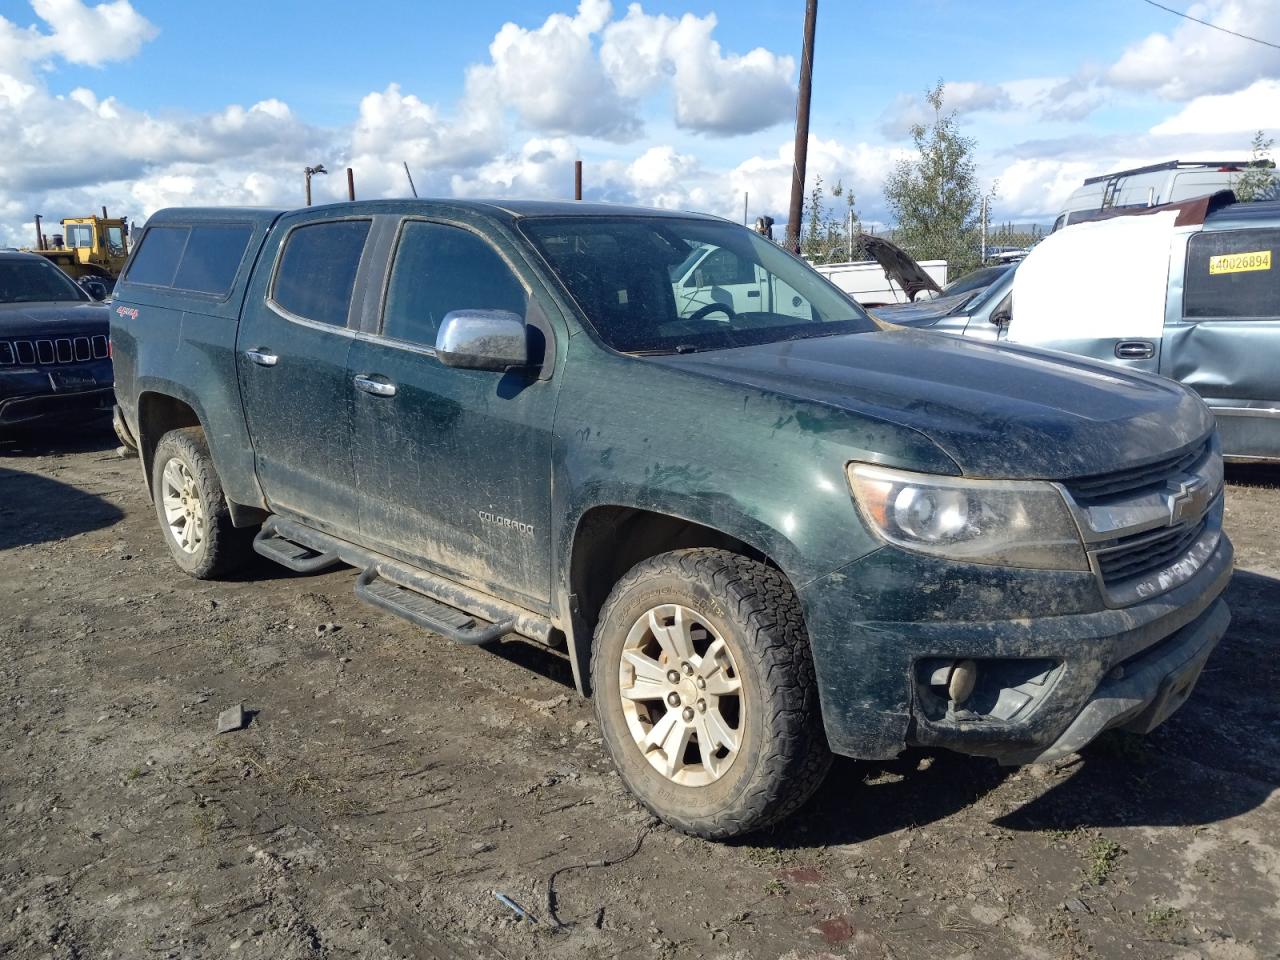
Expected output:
(1135, 350)
(261, 357)
(376, 387)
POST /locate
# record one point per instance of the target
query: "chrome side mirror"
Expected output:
(483, 340)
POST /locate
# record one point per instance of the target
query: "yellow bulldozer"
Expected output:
(87, 247)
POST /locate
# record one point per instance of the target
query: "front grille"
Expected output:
(51, 352)
(1088, 490)
(1145, 553)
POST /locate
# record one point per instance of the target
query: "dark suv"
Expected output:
(54, 355)
(759, 535)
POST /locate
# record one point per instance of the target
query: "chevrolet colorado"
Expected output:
(762, 529)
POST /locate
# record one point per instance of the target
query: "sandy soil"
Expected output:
(389, 783)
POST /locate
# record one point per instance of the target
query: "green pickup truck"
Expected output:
(762, 531)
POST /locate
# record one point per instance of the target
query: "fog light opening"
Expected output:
(958, 678)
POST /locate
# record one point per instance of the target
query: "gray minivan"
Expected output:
(1220, 329)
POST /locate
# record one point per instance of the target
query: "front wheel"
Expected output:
(192, 508)
(705, 692)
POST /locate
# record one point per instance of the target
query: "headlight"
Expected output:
(1013, 523)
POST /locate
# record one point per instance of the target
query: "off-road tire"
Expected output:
(224, 548)
(783, 757)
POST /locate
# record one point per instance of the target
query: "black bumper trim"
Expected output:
(1148, 690)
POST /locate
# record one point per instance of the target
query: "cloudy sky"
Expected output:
(688, 103)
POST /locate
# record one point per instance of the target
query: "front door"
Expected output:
(292, 361)
(454, 466)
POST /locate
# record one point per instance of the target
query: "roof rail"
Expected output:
(1181, 165)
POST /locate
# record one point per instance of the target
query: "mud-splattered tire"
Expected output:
(718, 642)
(192, 509)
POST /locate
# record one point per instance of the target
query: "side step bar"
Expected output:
(418, 608)
(449, 608)
(287, 553)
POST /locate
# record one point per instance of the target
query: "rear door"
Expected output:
(1222, 337)
(292, 349)
(454, 466)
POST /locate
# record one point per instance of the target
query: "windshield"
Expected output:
(671, 284)
(998, 288)
(974, 279)
(35, 281)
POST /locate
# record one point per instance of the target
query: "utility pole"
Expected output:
(577, 179)
(310, 172)
(803, 96)
(746, 198)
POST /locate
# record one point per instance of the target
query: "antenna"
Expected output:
(410, 176)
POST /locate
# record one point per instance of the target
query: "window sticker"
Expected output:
(1240, 262)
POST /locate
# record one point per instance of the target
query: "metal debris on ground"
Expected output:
(520, 911)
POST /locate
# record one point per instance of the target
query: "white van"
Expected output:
(1151, 186)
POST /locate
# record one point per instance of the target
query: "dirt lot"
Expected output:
(389, 783)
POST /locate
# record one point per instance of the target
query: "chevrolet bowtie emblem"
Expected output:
(1186, 499)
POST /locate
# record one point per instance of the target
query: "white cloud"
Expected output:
(552, 78)
(1192, 59)
(1254, 108)
(712, 93)
(76, 33)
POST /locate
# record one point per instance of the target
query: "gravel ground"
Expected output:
(389, 782)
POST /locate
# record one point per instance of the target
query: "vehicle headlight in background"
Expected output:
(1013, 523)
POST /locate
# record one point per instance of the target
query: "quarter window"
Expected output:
(317, 271)
(439, 269)
(157, 258)
(1232, 274)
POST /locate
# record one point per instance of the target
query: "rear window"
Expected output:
(317, 270)
(198, 259)
(1232, 274)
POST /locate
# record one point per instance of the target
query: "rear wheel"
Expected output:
(705, 692)
(192, 509)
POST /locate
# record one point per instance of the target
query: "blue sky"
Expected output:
(183, 102)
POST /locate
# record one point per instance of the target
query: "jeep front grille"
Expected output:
(53, 351)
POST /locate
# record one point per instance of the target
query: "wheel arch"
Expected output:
(159, 413)
(610, 539)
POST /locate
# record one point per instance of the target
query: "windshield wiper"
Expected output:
(665, 351)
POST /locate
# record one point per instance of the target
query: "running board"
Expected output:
(287, 553)
(449, 622)
(391, 579)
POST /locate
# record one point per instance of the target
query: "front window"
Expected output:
(79, 235)
(673, 284)
(35, 281)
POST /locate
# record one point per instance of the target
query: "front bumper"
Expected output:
(61, 393)
(1103, 668)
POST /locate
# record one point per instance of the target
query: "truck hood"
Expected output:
(997, 411)
(898, 265)
(52, 319)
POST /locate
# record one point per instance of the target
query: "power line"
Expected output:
(1213, 26)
